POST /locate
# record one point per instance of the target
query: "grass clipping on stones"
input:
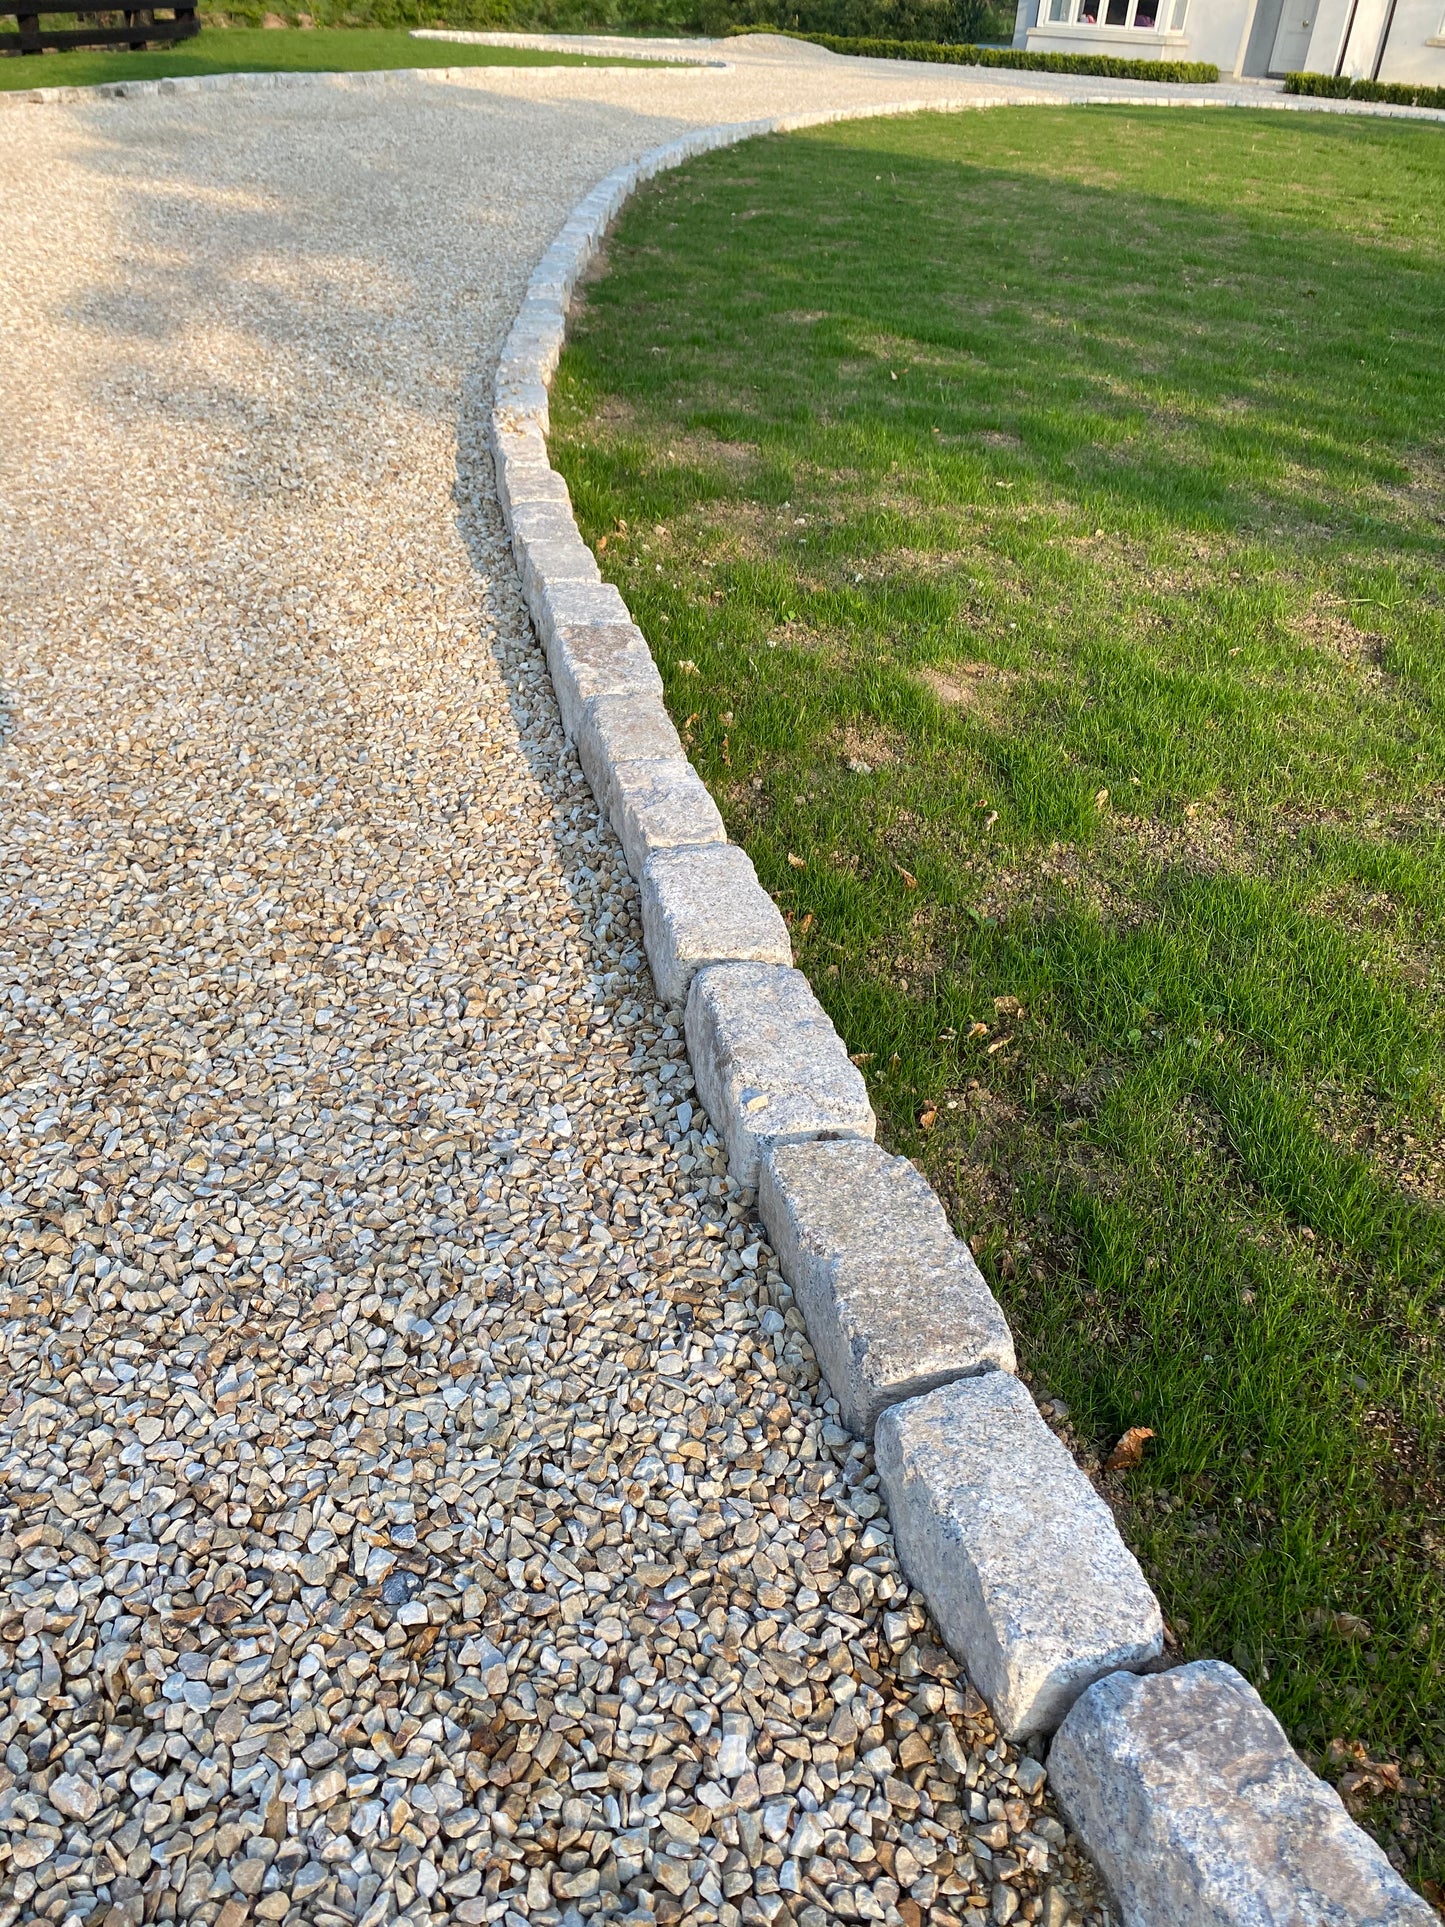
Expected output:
(1037, 518)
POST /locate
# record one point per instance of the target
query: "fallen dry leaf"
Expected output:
(806, 925)
(976, 1030)
(796, 862)
(910, 882)
(928, 1117)
(861, 1057)
(1346, 1625)
(1368, 1782)
(1101, 797)
(1129, 1452)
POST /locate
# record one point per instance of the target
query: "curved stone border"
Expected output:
(1182, 1785)
(600, 47)
(252, 82)
(245, 83)
(660, 53)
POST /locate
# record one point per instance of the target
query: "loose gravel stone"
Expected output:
(417, 1495)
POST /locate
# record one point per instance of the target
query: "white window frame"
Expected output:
(1065, 13)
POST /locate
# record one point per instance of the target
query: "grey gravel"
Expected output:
(417, 1496)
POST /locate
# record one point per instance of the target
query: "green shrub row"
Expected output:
(944, 21)
(1399, 93)
(1103, 66)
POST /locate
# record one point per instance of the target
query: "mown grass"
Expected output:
(274, 50)
(1039, 519)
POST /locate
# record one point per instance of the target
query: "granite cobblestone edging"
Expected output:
(1180, 1783)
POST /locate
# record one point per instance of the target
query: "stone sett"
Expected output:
(614, 730)
(587, 660)
(894, 1303)
(704, 906)
(582, 604)
(1200, 1813)
(1018, 1556)
(770, 1068)
(661, 803)
(545, 536)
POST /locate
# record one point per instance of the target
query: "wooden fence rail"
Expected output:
(141, 26)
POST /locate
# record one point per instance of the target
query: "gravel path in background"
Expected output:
(414, 1495)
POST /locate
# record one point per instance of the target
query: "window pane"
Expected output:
(1059, 10)
(1147, 13)
(1118, 15)
(1088, 13)
(1181, 8)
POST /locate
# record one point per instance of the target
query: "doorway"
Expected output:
(1292, 41)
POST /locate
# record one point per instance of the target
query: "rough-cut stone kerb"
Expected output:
(588, 660)
(893, 1302)
(770, 1068)
(1199, 1813)
(553, 549)
(615, 730)
(661, 804)
(1017, 1555)
(565, 605)
(706, 906)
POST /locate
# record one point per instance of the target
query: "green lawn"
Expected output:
(274, 50)
(1039, 519)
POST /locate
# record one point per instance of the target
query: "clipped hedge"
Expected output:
(1397, 93)
(945, 22)
(933, 20)
(1102, 66)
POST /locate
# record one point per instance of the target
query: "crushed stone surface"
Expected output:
(417, 1496)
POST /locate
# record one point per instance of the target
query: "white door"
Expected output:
(1292, 42)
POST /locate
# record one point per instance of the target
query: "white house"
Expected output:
(1365, 39)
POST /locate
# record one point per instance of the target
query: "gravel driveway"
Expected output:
(414, 1495)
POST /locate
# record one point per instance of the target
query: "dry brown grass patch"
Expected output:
(975, 686)
(1334, 634)
(876, 748)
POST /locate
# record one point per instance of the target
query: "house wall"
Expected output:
(1416, 49)
(1214, 30)
(1239, 36)
(1409, 52)
(1260, 44)
(1217, 29)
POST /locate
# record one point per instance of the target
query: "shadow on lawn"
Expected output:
(1131, 423)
